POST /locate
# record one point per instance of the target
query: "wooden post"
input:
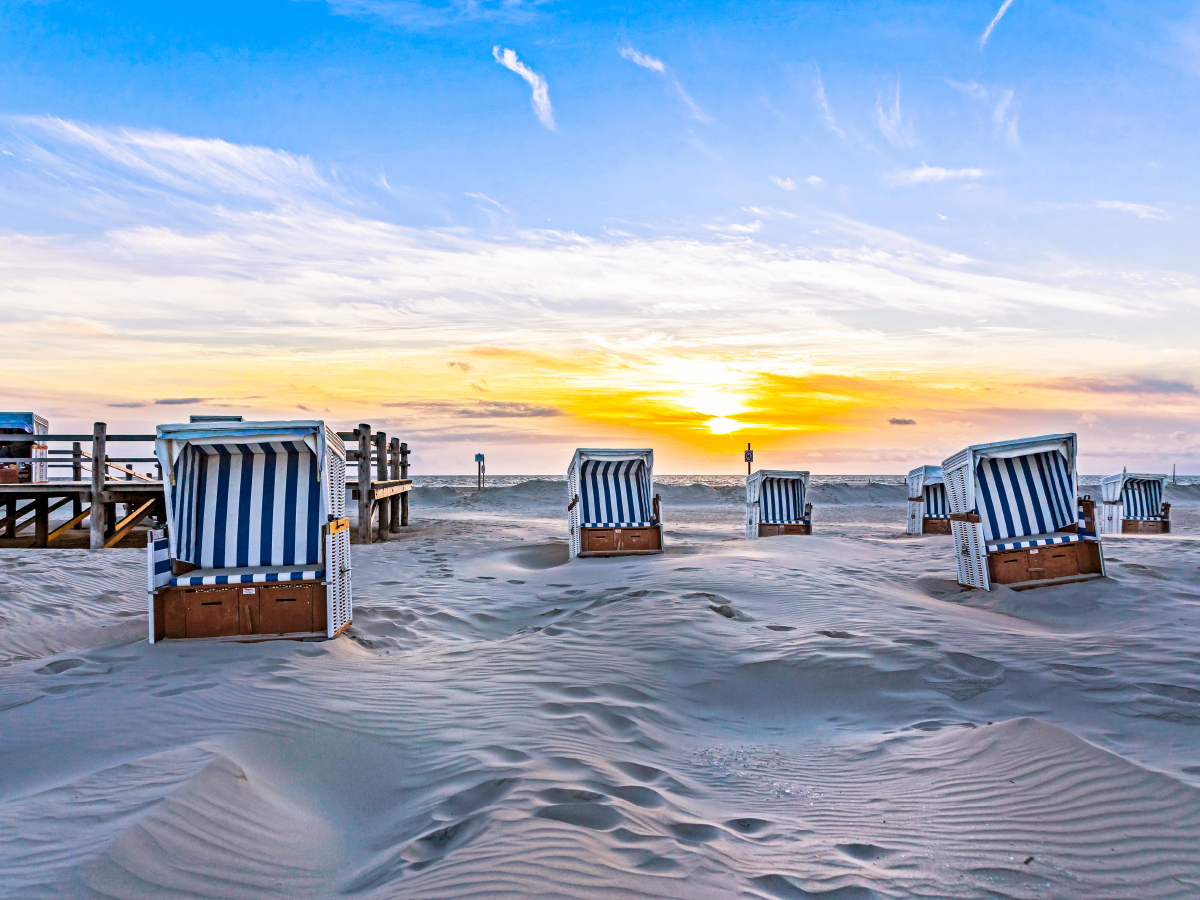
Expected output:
(10, 518)
(404, 496)
(76, 475)
(129, 507)
(394, 474)
(364, 484)
(381, 474)
(41, 522)
(96, 520)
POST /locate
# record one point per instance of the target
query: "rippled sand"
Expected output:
(826, 716)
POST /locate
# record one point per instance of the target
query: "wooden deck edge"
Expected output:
(251, 638)
(590, 553)
(1050, 582)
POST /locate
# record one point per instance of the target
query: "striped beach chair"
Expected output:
(928, 505)
(1016, 516)
(257, 542)
(612, 509)
(1132, 503)
(776, 503)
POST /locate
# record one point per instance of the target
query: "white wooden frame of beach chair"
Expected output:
(1016, 516)
(1132, 503)
(612, 509)
(776, 503)
(257, 543)
(928, 505)
(26, 423)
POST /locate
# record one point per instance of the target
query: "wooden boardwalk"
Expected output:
(381, 489)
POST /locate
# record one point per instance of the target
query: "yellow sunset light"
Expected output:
(724, 425)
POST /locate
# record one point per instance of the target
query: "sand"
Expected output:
(826, 716)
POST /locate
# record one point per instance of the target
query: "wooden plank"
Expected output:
(112, 465)
(38, 438)
(380, 492)
(82, 488)
(97, 520)
(10, 521)
(126, 524)
(364, 484)
(383, 501)
(63, 529)
(404, 477)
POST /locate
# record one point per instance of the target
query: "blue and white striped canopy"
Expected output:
(246, 504)
(614, 493)
(781, 501)
(937, 506)
(1142, 498)
(1025, 495)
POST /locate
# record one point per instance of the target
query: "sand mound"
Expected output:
(791, 717)
(855, 494)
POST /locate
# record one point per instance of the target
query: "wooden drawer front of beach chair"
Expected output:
(1136, 526)
(935, 526)
(1087, 553)
(598, 540)
(1010, 567)
(285, 608)
(635, 539)
(775, 530)
(210, 613)
(1059, 560)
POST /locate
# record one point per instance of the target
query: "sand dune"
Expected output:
(796, 717)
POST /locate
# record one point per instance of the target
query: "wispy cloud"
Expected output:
(1141, 210)
(657, 65)
(179, 401)
(487, 199)
(972, 89)
(999, 15)
(194, 166)
(902, 421)
(823, 104)
(693, 108)
(642, 59)
(417, 15)
(1005, 120)
(815, 180)
(786, 183)
(541, 91)
(925, 174)
(891, 120)
(479, 409)
(1133, 384)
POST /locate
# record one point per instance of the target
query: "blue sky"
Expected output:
(1044, 179)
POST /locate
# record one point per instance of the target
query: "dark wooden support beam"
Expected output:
(97, 520)
(404, 477)
(364, 484)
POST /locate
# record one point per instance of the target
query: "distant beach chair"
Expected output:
(775, 503)
(612, 508)
(928, 506)
(257, 543)
(1133, 504)
(1016, 516)
(13, 467)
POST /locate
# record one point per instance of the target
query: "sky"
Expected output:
(859, 236)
